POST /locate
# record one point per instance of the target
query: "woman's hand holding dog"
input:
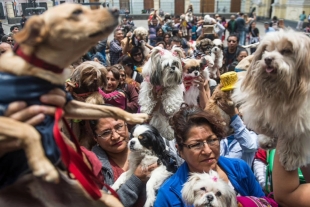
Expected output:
(228, 107)
(35, 114)
(144, 174)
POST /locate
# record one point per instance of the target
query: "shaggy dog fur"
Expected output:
(139, 38)
(208, 190)
(217, 56)
(161, 94)
(274, 95)
(204, 46)
(148, 147)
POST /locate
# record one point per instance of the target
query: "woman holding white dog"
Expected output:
(198, 134)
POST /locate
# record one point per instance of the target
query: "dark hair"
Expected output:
(233, 35)
(4, 38)
(176, 39)
(241, 13)
(239, 51)
(12, 27)
(175, 32)
(161, 42)
(126, 60)
(115, 72)
(191, 116)
(134, 51)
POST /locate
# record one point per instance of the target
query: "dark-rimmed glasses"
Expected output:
(118, 128)
(199, 145)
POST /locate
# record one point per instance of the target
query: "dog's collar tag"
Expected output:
(35, 61)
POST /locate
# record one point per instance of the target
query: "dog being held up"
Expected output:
(45, 47)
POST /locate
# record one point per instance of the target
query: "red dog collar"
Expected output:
(35, 61)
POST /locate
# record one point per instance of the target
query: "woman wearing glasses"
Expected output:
(111, 149)
(138, 58)
(8, 39)
(198, 134)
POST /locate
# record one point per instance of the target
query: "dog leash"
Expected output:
(74, 160)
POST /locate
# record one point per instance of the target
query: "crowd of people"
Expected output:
(199, 142)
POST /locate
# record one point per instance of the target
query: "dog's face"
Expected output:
(192, 67)
(280, 66)
(146, 138)
(140, 33)
(166, 67)
(88, 77)
(217, 46)
(208, 190)
(205, 46)
(66, 29)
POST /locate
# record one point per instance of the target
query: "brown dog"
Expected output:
(47, 44)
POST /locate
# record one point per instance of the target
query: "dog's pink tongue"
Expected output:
(269, 70)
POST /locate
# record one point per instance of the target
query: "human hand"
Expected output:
(200, 82)
(228, 107)
(35, 114)
(129, 34)
(144, 174)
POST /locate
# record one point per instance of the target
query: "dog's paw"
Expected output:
(266, 142)
(136, 118)
(45, 170)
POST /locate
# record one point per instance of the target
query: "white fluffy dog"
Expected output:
(208, 20)
(217, 57)
(161, 93)
(208, 190)
(139, 38)
(148, 147)
(274, 95)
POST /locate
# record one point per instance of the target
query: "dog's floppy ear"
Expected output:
(156, 66)
(177, 52)
(33, 33)
(188, 193)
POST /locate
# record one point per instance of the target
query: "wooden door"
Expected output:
(207, 6)
(235, 6)
(179, 7)
(124, 5)
(148, 4)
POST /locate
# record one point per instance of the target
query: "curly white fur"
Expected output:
(142, 33)
(217, 57)
(162, 74)
(274, 95)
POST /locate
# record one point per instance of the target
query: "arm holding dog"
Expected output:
(79, 110)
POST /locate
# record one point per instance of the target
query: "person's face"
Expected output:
(253, 25)
(178, 44)
(180, 33)
(127, 70)
(232, 42)
(122, 76)
(232, 17)
(166, 38)
(112, 135)
(10, 40)
(124, 20)
(154, 21)
(15, 30)
(242, 55)
(119, 35)
(266, 26)
(159, 32)
(177, 20)
(112, 83)
(4, 47)
(137, 56)
(204, 159)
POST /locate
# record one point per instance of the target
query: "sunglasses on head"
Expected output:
(137, 54)
(232, 41)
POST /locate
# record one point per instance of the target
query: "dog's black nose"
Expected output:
(132, 143)
(210, 197)
(172, 68)
(196, 73)
(114, 12)
(268, 60)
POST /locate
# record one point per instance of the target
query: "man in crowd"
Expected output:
(240, 28)
(115, 46)
(231, 27)
(231, 51)
(300, 23)
(268, 28)
(23, 21)
(14, 29)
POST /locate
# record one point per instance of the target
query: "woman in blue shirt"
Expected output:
(197, 135)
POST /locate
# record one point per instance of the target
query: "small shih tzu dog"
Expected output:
(191, 71)
(148, 147)
(208, 190)
(217, 56)
(139, 38)
(274, 95)
(161, 92)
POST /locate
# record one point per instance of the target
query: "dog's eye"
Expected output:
(203, 188)
(286, 51)
(218, 194)
(77, 12)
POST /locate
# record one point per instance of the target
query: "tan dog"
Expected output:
(47, 44)
(205, 45)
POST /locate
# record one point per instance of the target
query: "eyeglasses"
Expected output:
(123, 75)
(234, 41)
(119, 129)
(167, 37)
(10, 40)
(200, 144)
(137, 54)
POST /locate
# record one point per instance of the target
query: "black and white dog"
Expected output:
(147, 147)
